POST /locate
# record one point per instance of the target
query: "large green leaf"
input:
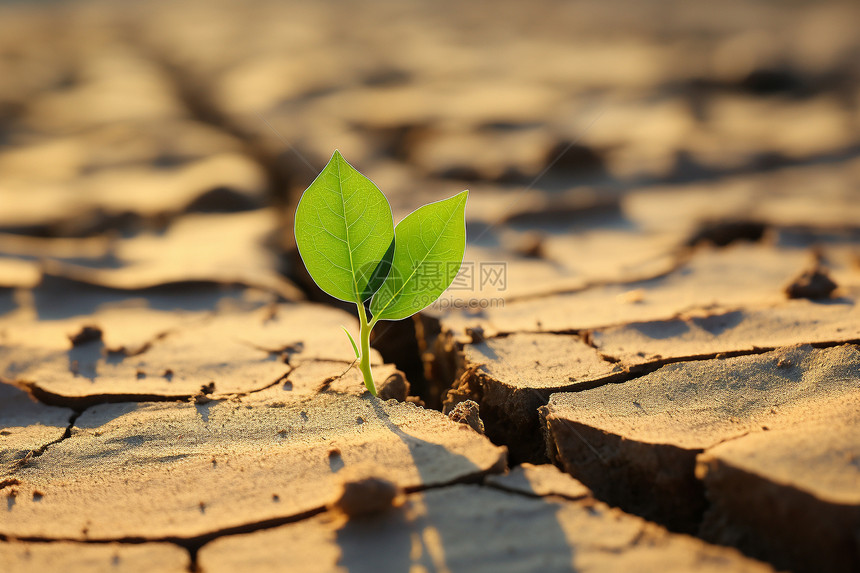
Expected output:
(345, 232)
(428, 251)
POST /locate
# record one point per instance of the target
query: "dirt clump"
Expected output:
(467, 412)
(86, 334)
(813, 284)
(364, 492)
(394, 387)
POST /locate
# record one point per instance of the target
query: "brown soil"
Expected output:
(476, 528)
(636, 443)
(650, 360)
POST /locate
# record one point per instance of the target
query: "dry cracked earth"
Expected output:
(649, 362)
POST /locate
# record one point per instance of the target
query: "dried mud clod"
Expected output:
(813, 284)
(395, 387)
(9, 482)
(476, 333)
(532, 246)
(367, 495)
(789, 495)
(86, 334)
(467, 412)
(466, 387)
(572, 157)
(637, 444)
(287, 447)
(723, 233)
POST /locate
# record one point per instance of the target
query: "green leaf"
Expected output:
(352, 340)
(345, 232)
(428, 251)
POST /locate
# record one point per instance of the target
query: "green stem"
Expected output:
(364, 336)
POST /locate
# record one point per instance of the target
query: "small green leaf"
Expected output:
(428, 251)
(345, 232)
(352, 340)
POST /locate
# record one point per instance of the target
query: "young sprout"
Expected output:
(347, 239)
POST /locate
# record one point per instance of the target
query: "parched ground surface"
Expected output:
(650, 360)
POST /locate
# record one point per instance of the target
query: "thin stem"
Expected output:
(364, 337)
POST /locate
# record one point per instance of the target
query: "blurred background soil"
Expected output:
(598, 137)
(628, 161)
(124, 117)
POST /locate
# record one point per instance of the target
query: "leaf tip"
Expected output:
(352, 341)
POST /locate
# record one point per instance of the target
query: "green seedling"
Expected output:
(347, 239)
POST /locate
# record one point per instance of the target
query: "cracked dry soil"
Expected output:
(650, 362)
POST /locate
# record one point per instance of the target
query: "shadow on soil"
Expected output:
(467, 528)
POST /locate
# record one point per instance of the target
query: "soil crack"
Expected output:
(195, 543)
(23, 462)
